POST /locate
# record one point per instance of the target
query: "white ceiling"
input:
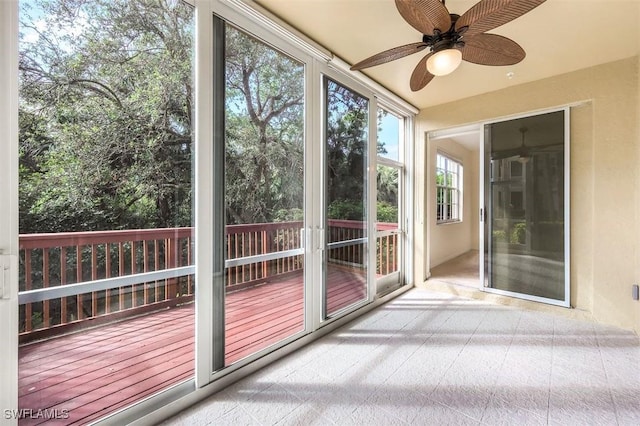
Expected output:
(559, 36)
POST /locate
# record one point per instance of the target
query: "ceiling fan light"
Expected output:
(444, 62)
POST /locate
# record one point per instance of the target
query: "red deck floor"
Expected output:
(95, 372)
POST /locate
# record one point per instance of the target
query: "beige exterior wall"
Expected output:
(605, 177)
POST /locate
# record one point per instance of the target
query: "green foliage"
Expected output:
(283, 215)
(518, 233)
(387, 212)
(346, 144)
(105, 115)
(499, 236)
(346, 210)
(353, 210)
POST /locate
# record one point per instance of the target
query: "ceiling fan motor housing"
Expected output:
(451, 39)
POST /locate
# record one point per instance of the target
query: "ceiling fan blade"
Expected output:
(492, 49)
(489, 14)
(420, 76)
(425, 15)
(389, 55)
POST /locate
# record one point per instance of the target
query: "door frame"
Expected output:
(9, 210)
(328, 73)
(567, 208)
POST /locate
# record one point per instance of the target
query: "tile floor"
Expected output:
(434, 358)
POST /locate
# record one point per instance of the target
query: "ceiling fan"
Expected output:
(453, 38)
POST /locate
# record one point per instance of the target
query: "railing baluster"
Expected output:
(256, 250)
(379, 267)
(156, 260)
(265, 264)
(250, 246)
(228, 239)
(46, 314)
(120, 273)
(134, 269)
(167, 262)
(107, 274)
(243, 255)
(145, 268)
(28, 310)
(189, 262)
(395, 252)
(63, 281)
(94, 276)
(79, 280)
(171, 283)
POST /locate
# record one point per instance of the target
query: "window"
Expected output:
(448, 189)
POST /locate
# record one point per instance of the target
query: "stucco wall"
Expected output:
(605, 177)
(453, 239)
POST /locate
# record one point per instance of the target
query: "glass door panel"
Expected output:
(526, 229)
(346, 241)
(388, 206)
(387, 226)
(264, 195)
(105, 193)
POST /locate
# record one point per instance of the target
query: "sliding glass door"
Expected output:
(526, 193)
(106, 277)
(346, 244)
(264, 195)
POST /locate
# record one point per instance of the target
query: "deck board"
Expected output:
(97, 371)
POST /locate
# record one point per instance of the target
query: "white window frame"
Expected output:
(454, 166)
(399, 276)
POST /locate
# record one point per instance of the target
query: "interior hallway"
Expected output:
(434, 358)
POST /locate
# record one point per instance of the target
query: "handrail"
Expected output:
(72, 239)
(247, 260)
(42, 294)
(347, 243)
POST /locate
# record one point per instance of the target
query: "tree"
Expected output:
(105, 114)
(264, 131)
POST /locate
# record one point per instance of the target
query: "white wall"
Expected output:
(453, 239)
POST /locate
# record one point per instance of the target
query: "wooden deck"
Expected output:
(97, 371)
